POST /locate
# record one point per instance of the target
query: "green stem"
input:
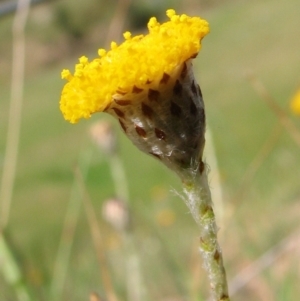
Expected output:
(11, 270)
(199, 202)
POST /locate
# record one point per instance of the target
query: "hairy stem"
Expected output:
(200, 204)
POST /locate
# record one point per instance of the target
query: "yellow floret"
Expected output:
(136, 62)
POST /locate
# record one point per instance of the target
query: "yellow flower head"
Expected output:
(295, 103)
(138, 62)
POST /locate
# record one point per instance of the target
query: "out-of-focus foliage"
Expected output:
(77, 20)
(262, 36)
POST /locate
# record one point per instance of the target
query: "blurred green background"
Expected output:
(258, 162)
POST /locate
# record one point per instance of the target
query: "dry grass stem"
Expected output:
(95, 297)
(215, 182)
(61, 263)
(15, 109)
(135, 286)
(264, 261)
(282, 116)
(96, 236)
(117, 23)
(256, 163)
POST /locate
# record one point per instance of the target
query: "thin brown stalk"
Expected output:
(15, 109)
(264, 261)
(62, 259)
(215, 178)
(256, 163)
(117, 23)
(95, 297)
(282, 116)
(96, 236)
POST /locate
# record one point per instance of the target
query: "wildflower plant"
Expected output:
(148, 84)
